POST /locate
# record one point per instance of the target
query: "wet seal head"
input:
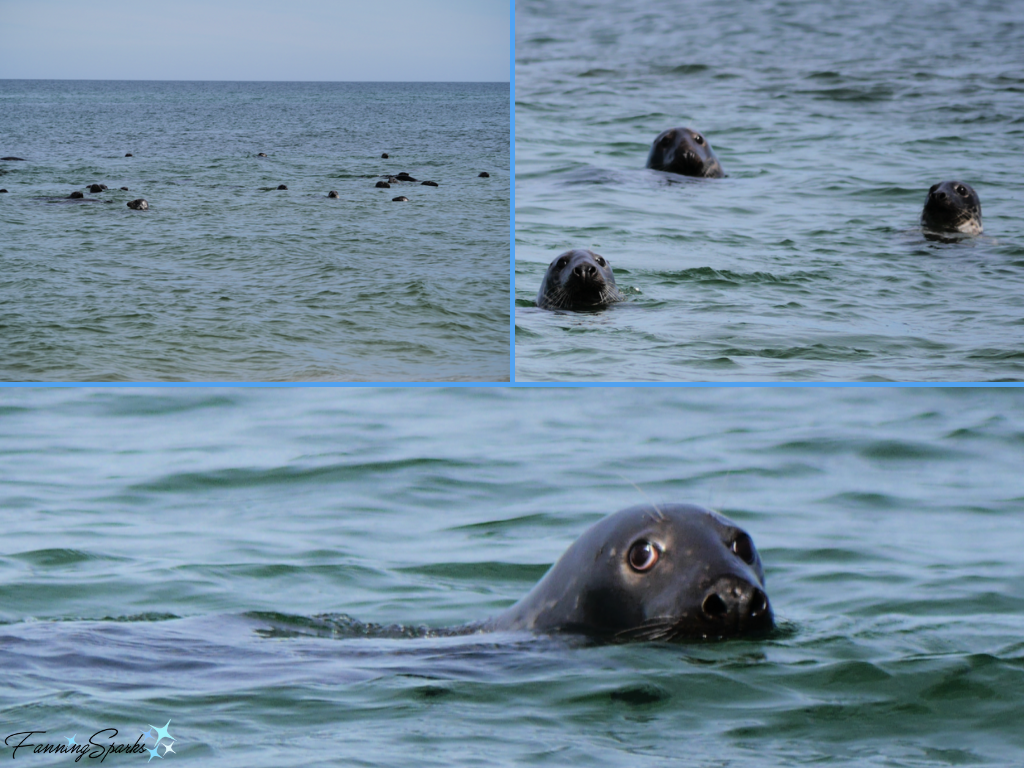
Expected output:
(578, 279)
(138, 205)
(332, 193)
(651, 573)
(952, 206)
(686, 152)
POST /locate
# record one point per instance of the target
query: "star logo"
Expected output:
(71, 741)
(167, 748)
(154, 753)
(150, 733)
(161, 733)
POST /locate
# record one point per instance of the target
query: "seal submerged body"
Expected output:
(952, 206)
(578, 279)
(652, 572)
(686, 152)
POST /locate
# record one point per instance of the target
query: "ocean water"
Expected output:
(807, 262)
(227, 278)
(151, 537)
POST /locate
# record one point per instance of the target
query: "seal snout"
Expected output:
(735, 603)
(585, 271)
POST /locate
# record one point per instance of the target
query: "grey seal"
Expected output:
(684, 151)
(22, 159)
(384, 155)
(139, 205)
(97, 188)
(3, 191)
(382, 185)
(282, 186)
(332, 193)
(578, 279)
(660, 572)
(400, 199)
(76, 196)
(483, 175)
(952, 206)
(129, 154)
(261, 154)
(428, 184)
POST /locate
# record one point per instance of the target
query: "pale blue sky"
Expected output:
(340, 40)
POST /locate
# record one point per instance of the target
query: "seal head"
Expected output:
(952, 206)
(578, 279)
(655, 573)
(686, 152)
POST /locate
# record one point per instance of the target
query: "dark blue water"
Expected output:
(152, 539)
(227, 278)
(807, 262)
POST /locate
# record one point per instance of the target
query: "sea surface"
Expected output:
(225, 277)
(807, 263)
(165, 554)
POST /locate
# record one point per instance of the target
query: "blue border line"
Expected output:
(512, 197)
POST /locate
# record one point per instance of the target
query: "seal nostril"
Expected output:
(714, 606)
(758, 603)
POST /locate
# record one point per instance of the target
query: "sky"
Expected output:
(334, 40)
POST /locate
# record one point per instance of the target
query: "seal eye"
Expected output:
(561, 263)
(642, 556)
(698, 138)
(600, 260)
(744, 548)
(961, 190)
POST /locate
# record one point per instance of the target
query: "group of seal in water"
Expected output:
(580, 279)
(652, 573)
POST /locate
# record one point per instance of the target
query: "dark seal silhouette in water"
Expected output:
(139, 205)
(332, 193)
(483, 175)
(382, 185)
(282, 186)
(22, 159)
(428, 184)
(76, 196)
(952, 206)
(97, 188)
(686, 152)
(3, 191)
(578, 279)
(400, 199)
(384, 155)
(653, 572)
(129, 154)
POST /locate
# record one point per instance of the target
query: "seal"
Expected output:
(139, 205)
(483, 175)
(22, 159)
(261, 154)
(654, 573)
(129, 154)
(76, 196)
(97, 188)
(686, 152)
(382, 185)
(384, 155)
(578, 279)
(428, 184)
(282, 186)
(400, 199)
(3, 191)
(332, 193)
(952, 206)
